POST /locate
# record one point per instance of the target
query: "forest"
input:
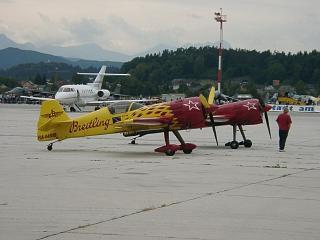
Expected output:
(153, 74)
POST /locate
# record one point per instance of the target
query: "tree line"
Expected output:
(154, 72)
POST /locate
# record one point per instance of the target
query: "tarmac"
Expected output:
(104, 188)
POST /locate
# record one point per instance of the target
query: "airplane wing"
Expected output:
(140, 122)
(36, 98)
(119, 94)
(97, 103)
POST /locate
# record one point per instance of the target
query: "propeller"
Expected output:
(206, 104)
(263, 108)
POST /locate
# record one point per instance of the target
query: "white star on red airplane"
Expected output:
(250, 105)
(192, 105)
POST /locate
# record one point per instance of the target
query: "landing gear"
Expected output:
(170, 152)
(75, 108)
(187, 151)
(97, 108)
(170, 149)
(247, 143)
(235, 144)
(50, 145)
(133, 140)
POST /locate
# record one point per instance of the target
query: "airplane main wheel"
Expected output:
(187, 151)
(72, 109)
(169, 152)
(96, 108)
(247, 143)
(49, 147)
(234, 144)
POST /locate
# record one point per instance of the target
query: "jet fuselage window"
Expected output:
(66, 90)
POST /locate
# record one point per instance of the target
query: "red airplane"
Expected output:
(133, 119)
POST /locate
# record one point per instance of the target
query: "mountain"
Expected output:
(6, 42)
(94, 52)
(84, 51)
(13, 56)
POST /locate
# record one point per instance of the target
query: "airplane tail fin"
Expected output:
(51, 117)
(97, 83)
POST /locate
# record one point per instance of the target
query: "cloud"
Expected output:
(6, 1)
(133, 25)
(85, 30)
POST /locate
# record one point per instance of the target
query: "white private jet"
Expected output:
(80, 95)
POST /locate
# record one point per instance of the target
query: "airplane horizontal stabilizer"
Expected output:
(105, 74)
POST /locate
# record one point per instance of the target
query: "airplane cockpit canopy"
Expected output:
(122, 107)
(66, 89)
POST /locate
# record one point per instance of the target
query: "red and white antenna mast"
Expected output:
(220, 18)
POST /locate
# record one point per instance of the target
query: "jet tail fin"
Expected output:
(97, 83)
(51, 116)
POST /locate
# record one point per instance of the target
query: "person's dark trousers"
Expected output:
(283, 134)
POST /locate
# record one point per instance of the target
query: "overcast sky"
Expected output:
(131, 26)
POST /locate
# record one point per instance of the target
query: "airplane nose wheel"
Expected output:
(49, 147)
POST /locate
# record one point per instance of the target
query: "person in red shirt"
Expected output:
(284, 122)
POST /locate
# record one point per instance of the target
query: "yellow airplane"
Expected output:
(134, 119)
